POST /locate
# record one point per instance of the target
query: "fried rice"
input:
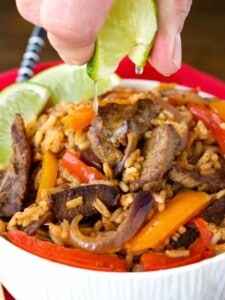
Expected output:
(193, 155)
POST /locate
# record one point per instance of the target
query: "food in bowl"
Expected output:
(138, 187)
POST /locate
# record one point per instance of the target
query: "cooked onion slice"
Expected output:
(114, 240)
(131, 146)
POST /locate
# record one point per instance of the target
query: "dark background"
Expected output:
(203, 37)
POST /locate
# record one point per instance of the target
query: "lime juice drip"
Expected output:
(95, 100)
(138, 70)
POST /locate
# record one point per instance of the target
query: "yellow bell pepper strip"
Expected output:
(200, 249)
(178, 211)
(80, 118)
(74, 165)
(48, 173)
(68, 256)
(218, 107)
(212, 121)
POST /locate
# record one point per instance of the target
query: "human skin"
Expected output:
(73, 26)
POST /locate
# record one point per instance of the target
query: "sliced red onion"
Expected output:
(131, 146)
(114, 240)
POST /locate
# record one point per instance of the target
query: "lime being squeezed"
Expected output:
(129, 30)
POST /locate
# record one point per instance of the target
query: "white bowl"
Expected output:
(28, 277)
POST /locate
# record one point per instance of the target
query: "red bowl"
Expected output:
(187, 76)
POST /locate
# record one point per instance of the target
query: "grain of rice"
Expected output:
(218, 233)
(42, 119)
(161, 206)
(175, 236)
(37, 157)
(201, 131)
(120, 218)
(71, 140)
(168, 115)
(133, 157)
(80, 137)
(70, 178)
(60, 233)
(148, 134)
(159, 197)
(207, 172)
(107, 170)
(130, 174)
(115, 214)
(182, 229)
(123, 186)
(126, 200)
(85, 145)
(198, 149)
(177, 253)
(163, 116)
(53, 141)
(38, 138)
(50, 122)
(73, 203)
(220, 194)
(98, 225)
(101, 208)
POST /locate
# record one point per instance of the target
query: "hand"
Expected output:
(73, 26)
(166, 54)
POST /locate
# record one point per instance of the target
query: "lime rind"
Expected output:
(71, 83)
(25, 98)
(129, 29)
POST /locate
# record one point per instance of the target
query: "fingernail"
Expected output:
(177, 51)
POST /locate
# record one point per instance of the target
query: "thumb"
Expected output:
(75, 55)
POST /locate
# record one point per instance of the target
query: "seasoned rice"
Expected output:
(48, 133)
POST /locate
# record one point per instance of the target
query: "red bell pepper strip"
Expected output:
(74, 165)
(212, 121)
(199, 250)
(68, 256)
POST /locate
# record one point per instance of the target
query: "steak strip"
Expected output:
(159, 152)
(14, 183)
(192, 179)
(106, 193)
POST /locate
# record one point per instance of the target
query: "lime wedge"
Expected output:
(28, 99)
(71, 83)
(129, 29)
